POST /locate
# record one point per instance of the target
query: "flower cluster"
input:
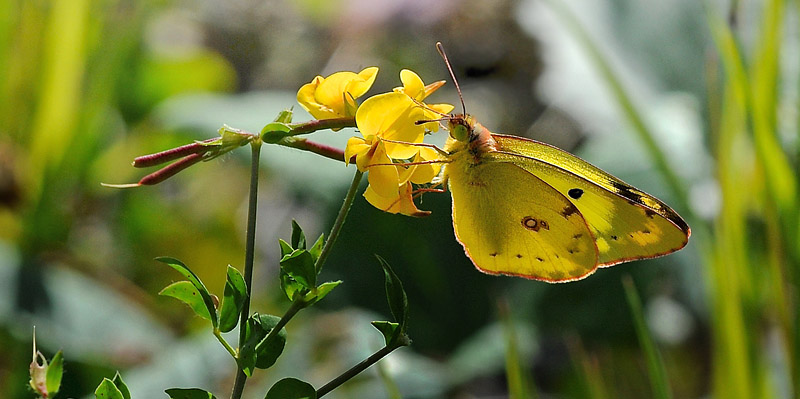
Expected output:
(390, 147)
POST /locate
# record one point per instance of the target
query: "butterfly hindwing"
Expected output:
(511, 222)
(626, 223)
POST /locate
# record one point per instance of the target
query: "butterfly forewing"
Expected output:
(627, 223)
(511, 222)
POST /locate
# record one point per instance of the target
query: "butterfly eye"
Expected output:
(459, 132)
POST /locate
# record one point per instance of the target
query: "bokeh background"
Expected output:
(695, 102)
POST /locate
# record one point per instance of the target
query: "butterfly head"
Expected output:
(460, 126)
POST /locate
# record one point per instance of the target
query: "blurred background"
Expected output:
(693, 102)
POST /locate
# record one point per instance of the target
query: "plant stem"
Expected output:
(255, 145)
(221, 339)
(340, 218)
(355, 370)
(320, 124)
(317, 148)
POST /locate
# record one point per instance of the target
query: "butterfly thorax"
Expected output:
(468, 138)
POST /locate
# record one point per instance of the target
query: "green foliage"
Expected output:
(187, 293)
(395, 294)
(120, 384)
(55, 371)
(291, 388)
(108, 390)
(201, 288)
(233, 300)
(260, 350)
(189, 393)
(655, 364)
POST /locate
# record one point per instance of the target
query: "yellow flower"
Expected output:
(371, 157)
(402, 204)
(335, 96)
(415, 172)
(388, 124)
(416, 89)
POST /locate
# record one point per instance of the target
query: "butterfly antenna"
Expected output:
(440, 48)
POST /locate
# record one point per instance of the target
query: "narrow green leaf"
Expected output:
(389, 330)
(286, 249)
(186, 292)
(189, 393)
(395, 294)
(316, 250)
(201, 288)
(107, 390)
(267, 352)
(320, 292)
(300, 266)
(232, 300)
(121, 385)
(55, 370)
(655, 366)
(291, 388)
(298, 237)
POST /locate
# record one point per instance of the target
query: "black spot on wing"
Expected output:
(575, 193)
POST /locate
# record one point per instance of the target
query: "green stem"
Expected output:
(355, 370)
(221, 339)
(297, 305)
(337, 225)
(241, 377)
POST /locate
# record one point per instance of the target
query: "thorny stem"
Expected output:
(340, 218)
(241, 377)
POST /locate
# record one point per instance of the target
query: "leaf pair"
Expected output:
(259, 349)
(195, 294)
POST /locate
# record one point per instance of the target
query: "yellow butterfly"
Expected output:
(528, 209)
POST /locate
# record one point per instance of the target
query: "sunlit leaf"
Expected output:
(186, 292)
(55, 370)
(201, 288)
(107, 390)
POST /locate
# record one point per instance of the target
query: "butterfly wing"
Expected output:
(626, 223)
(511, 222)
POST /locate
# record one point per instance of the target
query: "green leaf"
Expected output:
(186, 292)
(275, 131)
(290, 286)
(201, 288)
(55, 370)
(121, 385)
(316, 249)
(255, 353)
(655, 366)
(298, 237)
(300, 266)
(389, 330)
(395, 294)
(233, 300)
(267, 352)
(286, 249)
(189, 393)
(291, 388)
(107, 390)
(320, 292)
(285, 116)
